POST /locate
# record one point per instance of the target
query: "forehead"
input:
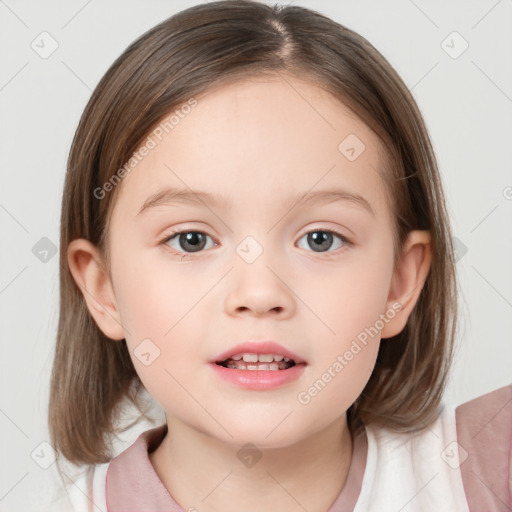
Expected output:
(257, 141)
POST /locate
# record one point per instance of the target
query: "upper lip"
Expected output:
(258, 347)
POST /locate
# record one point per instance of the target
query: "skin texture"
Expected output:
(259, 143)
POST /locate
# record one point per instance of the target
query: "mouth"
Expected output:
(260, 366)
(257, 362)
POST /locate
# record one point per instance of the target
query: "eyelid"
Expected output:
(347, 242)
(172, 234)
(329, 230)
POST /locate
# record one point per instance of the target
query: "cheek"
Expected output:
(348, 296)
(335, 385)
(343, 363)
(350, 305)
(160, 306)
(152, 294)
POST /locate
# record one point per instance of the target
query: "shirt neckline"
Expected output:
(132, 483)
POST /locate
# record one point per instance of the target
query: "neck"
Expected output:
(203, 473)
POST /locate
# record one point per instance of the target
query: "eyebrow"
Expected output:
(168, 196)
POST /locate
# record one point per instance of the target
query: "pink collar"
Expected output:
(133, 485)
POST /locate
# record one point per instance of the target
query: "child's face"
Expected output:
(258, 144)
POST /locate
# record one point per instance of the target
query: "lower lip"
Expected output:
(259, 379)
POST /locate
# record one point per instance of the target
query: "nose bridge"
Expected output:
(258, 281)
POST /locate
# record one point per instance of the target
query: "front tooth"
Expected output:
(266, 358)
(265, 367)
(250, 358)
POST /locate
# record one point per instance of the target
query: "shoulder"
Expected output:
(87, 492)
(484, 436)
(410, 469)
(117, 482)
(132, 483)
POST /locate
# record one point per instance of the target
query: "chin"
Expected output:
(266, 435)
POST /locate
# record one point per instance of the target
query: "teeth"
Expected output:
(258, 362)
(262, 358)
(266, 367)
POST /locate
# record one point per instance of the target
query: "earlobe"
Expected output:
(89, 273)
(409, 275)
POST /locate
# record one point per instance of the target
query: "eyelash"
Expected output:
(328, 254)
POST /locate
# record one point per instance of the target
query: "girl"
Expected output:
(254, 232)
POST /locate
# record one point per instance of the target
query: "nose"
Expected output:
(259, 290)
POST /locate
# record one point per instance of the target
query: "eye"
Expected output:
(190, 241)
(187, 242)
(322, 239)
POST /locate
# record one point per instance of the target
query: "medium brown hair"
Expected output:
(189, 53)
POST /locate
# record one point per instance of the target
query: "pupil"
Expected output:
(324, 239)
(195, 240)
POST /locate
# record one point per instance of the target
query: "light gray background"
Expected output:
(466, 102)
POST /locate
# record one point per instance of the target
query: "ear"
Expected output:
(90, 274)
(409, 275)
